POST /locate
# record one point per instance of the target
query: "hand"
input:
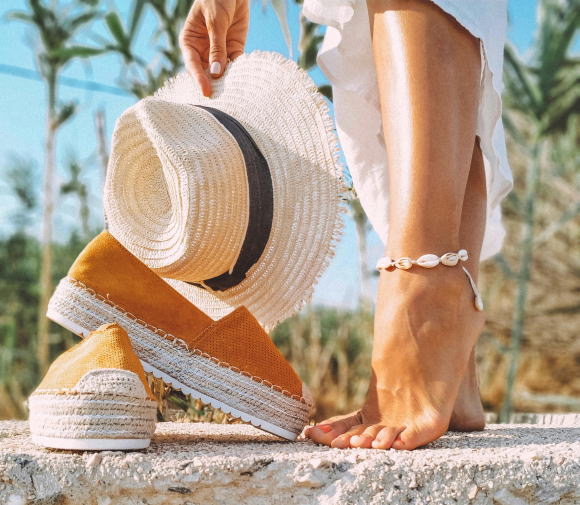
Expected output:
(214, 31)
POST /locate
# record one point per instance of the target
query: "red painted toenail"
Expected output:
(325, 427)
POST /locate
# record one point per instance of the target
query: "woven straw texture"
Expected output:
(177, 195)
(75, 414)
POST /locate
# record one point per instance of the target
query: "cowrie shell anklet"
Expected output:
(449, 259)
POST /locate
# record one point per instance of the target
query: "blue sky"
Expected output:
(22, 103)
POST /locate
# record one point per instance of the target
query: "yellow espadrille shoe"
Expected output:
(94, 397)
(231, 363)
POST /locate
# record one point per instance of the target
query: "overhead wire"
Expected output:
(71, 82)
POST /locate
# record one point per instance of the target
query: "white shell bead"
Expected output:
(450, 259)
(404, 263)
(428, 261)
(384, 263)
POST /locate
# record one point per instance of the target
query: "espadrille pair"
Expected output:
(222, 214)
(230, 363)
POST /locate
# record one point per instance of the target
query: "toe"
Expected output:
(327, 431)
(343, 441)
(384, 438)
(418, 435)
(366, 438)
(406, 440)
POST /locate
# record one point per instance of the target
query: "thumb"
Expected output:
(217, 50)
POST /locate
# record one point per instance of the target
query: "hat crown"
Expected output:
(191, 187)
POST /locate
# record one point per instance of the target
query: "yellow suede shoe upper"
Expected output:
(237, 340)
(113, 272)
(105, 348)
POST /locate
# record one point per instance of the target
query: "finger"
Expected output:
(195, 68)
(233, 55)
(218, 54)
(235, 47)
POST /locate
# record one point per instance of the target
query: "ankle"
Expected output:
(422, 296)
(418, 242)
(434, 290)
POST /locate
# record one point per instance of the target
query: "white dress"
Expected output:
(346, 59)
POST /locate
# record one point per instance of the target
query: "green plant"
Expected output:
(56, 28)
(138, 76)
(75, 186)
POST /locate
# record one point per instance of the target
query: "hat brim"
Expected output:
(280, 106)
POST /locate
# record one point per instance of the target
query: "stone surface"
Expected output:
(203, 464)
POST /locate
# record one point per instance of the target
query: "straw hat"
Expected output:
(234, 199)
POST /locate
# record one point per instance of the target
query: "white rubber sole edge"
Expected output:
(255, 421)
(92, 444)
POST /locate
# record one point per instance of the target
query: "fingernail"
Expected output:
(325, 428)
(215, 68)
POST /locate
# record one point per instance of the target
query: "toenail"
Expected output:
(325, 428)
(340, 443)
(356, 439)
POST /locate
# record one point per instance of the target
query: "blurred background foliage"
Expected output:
(529, 353)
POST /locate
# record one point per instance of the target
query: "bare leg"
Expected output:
(425, 325)
(468, 412)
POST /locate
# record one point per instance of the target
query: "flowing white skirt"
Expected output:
(346, 59)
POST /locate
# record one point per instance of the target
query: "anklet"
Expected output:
(478, 301)
(449, 259)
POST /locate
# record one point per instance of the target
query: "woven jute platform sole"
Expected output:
(80, 310)
(84, 421)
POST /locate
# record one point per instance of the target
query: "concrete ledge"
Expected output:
(203, 464)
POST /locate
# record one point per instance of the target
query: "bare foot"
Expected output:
(467, 415)
(425, 330)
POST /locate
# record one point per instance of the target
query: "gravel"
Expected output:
(198, 463)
